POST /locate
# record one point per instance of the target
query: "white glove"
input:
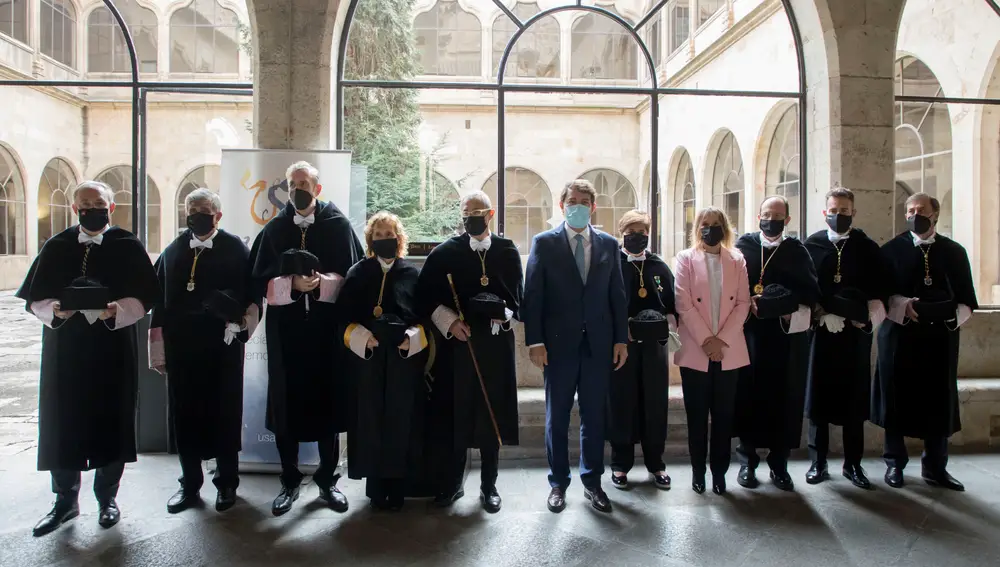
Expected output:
(834, 323)
(232, 329)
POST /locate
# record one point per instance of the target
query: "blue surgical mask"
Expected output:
(578, 216)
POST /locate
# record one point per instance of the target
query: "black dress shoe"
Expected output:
(619, 482)
(446, 499)
(698, 482)
(557, 500)
(894, 477)
(856, 475)
(490, 499)
(782, 480)
(394, 503)
(598, 499)
(719, 484)
(661, 481)
(62, 512)
(109, 513)
(747, 478)
(943, 479)
(334, 498)
(225, 499)
(283, 503)
(182, 500)
(818, 472)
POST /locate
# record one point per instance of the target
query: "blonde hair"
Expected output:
(728, 238)
(391, 220)
(633, 217)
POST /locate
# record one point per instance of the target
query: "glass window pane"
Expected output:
(13, 229)
(602, 49)
(204, 38)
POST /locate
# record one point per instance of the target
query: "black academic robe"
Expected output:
(639, 393)
(307, 399)
(204, 374)
(838, 390)
(386, 435)
(89, 373)
(915, 393)
(453, 367)
(770, 393)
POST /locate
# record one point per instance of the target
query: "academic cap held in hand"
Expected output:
(776, 301)
(389, 329)
(849, 303)
(84, 294)
(649, 325)
(297, 262)
(221, 304)
(937, 305)
(488, 306)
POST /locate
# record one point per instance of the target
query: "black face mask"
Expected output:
(385, 248)
(201, 223)
(711, 235)
(474, 225)
(919, 224)
(636, 242)
(839, 223)
(301, 199)
(772, 228)
(94, 219)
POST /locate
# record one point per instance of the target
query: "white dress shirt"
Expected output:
(84, 238)
(771, 243)
(480, 245)
(917, 241)
(836, 237)
(304, 221)
(714, 263)
(587, 246)
(207, 243)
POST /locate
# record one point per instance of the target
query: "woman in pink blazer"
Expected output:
(713, 300)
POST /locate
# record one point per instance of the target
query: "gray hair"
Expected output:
(305, 166)
(202, 195)
(479, 197)
(103, 188)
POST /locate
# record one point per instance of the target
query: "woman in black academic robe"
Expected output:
(638, 396)
(390, 349)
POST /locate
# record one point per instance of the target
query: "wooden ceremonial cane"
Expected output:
(475, 364)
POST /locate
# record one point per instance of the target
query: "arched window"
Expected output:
(54, 206)
(923, 137)
(707, 9)
(536, 53)
(727, 181)
(615, 197)
(119, 178)
(13, 233)
(14, 19)
(602, 49)
(684, 212)
(205, 177)
(106, 50)
(58, 30)
(449, 41)
(529, 205)
(204, 38)
(782, 177)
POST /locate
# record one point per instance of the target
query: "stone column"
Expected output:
(293, 73)
(850, 48)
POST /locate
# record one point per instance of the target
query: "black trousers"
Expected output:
(623, 456)
(66, 483)
(227, 472)
(934, 459)
(489, 461)
(711, 393)
(385, 489)
(329, 455)
(777, 458)
(854, 442)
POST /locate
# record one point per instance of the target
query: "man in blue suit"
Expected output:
(575, 322)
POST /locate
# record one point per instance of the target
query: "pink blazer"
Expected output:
(694, 307)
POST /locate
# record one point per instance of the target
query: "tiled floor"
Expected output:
(833, 524)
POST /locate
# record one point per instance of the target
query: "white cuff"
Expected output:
(897, 309)
(876, 312)
(536, 345)
(800, 320)
(43, 310)
(359, 341)
(418, 341)
(232, 329)
(963, 314)
(672, 322)
(329, 287)
(443, 318)
(130, 311)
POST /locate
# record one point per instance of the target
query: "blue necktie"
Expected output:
(581, 263)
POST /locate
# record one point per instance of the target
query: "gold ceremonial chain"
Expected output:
(86, 254)
(377, 312)
(840, 251)
(483, 281)
(759, 288)
(642, 282)
(194, 265)
(927, 264)
(302, 243)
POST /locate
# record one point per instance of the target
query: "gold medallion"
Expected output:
(836, 278)
(190, 286)
(643, 292)
(928, 280)
(377, 312)
(484, 281)
(758, 289)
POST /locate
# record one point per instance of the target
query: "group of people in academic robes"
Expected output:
(417, 366)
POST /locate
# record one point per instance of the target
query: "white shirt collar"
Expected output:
(768, 244)
(918, 242)
(571, 234)
(481, 245)
(207, 243)
(386, 264)
(84, 238)
(836, 237)
(639, 258)
(304, 220)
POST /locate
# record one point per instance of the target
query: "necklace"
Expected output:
(840, 251)
(483, 281)
(759, 288)
(86, 254)
(302, 243)
(377, 312)
(194, 266)
(927, 264)
(642, 283)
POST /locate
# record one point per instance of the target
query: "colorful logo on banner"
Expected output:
(266, 201)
